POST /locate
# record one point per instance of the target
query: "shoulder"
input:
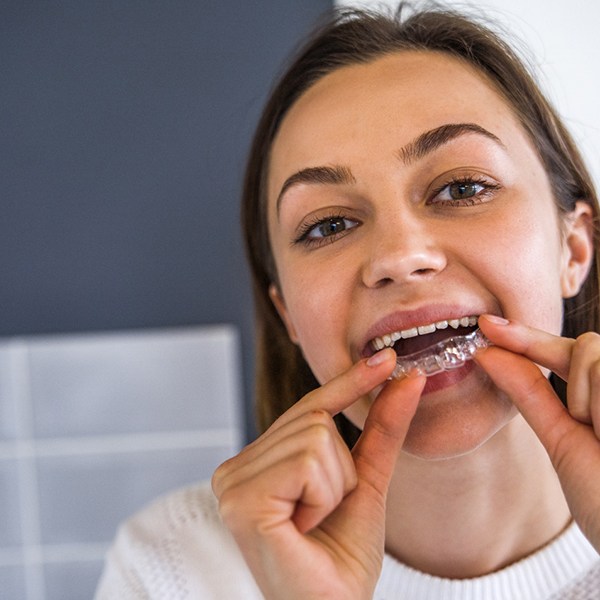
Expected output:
(177, 547)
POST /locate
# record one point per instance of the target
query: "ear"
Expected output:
(279, 303)
(578, 249)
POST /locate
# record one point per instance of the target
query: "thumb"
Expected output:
(385, 429)
(532, 394)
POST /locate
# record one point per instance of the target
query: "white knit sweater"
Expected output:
(178, 548)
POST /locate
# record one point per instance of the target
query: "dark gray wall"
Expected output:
(123, 132)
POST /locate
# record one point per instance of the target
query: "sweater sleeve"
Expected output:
(176, 548)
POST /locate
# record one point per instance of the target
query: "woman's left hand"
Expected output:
(571, 436)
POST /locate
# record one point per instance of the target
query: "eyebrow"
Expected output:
(334, 175)
(416, 149)
(431, 140)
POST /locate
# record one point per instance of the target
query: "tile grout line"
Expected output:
(136, 442)
(123, 443)
(69, 552)
(30, 508)
(72, 552)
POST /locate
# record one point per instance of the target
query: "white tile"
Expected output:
(71, 581)
(12, 583)
(135, 382)
(83, 498)
(10, 503)
(10, 376)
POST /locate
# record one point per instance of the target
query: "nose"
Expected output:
(409, 253)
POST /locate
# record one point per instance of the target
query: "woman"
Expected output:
(407, 179)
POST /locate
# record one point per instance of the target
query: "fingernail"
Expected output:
(496, 319)
(377, 358)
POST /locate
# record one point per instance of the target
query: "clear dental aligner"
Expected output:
(443, 356)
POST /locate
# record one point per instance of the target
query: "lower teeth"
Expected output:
(444, 356)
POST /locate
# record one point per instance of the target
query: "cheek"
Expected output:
(521, 264)
(319, 307)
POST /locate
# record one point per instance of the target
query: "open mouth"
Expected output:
(409, 341)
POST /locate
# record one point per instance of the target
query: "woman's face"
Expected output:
(404, 193)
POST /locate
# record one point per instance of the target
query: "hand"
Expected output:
(308, 514)
(571, 436)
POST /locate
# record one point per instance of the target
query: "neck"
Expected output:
(470, 515)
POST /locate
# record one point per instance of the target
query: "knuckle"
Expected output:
(319, 415)
(218, 478)
(215, 484)
(594, 374)
(230, 508)
(222, 474)
(587, 341)
(321, 437)
(582, 415)
(579, 411)
(310, 464)
(226, 502)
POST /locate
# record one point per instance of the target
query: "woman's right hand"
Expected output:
(307, 513)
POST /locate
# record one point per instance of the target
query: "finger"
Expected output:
(594, 406)
(584, 377)
(575, 361)
(314, 433)
(338, 468)
(532, 394)
(264, 505)
(345, 389)
(377, 449)
(333, 397)
(572, 447)
(545, 349)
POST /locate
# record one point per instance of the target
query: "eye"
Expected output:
(462, 190)
(325, 228)
(466, 191)
(330, 226)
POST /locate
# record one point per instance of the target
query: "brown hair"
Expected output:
(352, 37)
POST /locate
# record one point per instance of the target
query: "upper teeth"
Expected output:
(389, 339)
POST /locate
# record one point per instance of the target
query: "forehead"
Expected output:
(388, 101)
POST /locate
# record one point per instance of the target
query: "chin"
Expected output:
(458, 420)
(443, 442)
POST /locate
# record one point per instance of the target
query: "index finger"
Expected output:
(547, 350)
(345, 389)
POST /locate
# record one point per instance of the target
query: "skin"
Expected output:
(473, 459)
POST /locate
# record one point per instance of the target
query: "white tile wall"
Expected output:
(12, 581)
(94, 426)
(10, 523)
(8, 398)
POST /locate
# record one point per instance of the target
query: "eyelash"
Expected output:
(306, 228)
(488, 188)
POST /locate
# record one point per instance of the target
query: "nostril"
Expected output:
(423, 271)
(385, 281)
(388, 265)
